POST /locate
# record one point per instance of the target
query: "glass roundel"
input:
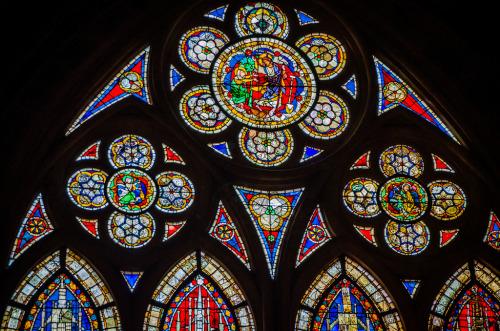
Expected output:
(448, 200)
(86, 188)
(403, 199)
(266, 148)
(263, 82)
(360, 197)
(131, 231)
(131, 190)
(407, 239)
(176, 192)
(131, 151)
(401, 160)
(261, 18)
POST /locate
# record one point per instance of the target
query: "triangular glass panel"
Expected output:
(221, 148)
(34, 227)
(315, 236)
(224, 230)
(351, 86)
(367, 233)
(175, 77)
(310, 152)
(218, 13)
(172, 156)
(90, 153)
(270, 212)
(304, 18)
(171, 229)
(131, 80)
(492, 237)
(91, 226)
(440, 165)
(131, 278)
(363, 162)
(393, 91)
(446, 236)
(411, 286)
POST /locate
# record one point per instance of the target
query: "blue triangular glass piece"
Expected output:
(131, 278)
(411, 286)
(175, 77)
(304, 18)
(350, 86)
(310, 152)
(218, 13)
(221, 148)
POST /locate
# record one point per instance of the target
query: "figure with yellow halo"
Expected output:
(263, 85)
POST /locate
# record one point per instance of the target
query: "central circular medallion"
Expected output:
(131, 190)
(403, 199)
(263, 83)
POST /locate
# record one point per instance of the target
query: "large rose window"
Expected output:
(131, 191)
(405, 200)
(262, 84)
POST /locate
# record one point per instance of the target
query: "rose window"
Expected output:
(131, 191)
(263, 85)
(405, 200)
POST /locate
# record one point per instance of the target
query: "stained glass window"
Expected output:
(63, 292)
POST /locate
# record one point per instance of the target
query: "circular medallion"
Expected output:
(266, 148)
(36, 226)
(270, 210)
(131, 151)
(224, 232)
(131, 82)
(131, 190)
(263, 83)
(176, 192)
(448, 200)
(325, 52)
(199, 47)
(200, 111)
(395, 92)
(407, 239)
(327, 119)
(403, 199)
(316, 234)
(401, 160)
(131, 231)
(86, 188)
(261, 18)
(360, 197)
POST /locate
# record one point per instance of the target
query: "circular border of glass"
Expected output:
(139, 149)
(224, 232)
(401, 160)
(131, 231)
(272, 20)
(131, 82)
(201, 112)
(403, 199)
(89, 200)
(328, 118)
(244, 81)
(131, 190)
(269, 210)
(325, 52)
(407, 239)
(448, 200)
(360, 197)
(180, 193)
(266, 148)
(199, 47)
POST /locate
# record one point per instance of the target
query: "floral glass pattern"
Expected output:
(199, 47)
(130, 190)
(405, 200)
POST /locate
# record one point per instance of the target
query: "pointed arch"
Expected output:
(469, 298)
(63, 290)
(343, 293)
(198, 290)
